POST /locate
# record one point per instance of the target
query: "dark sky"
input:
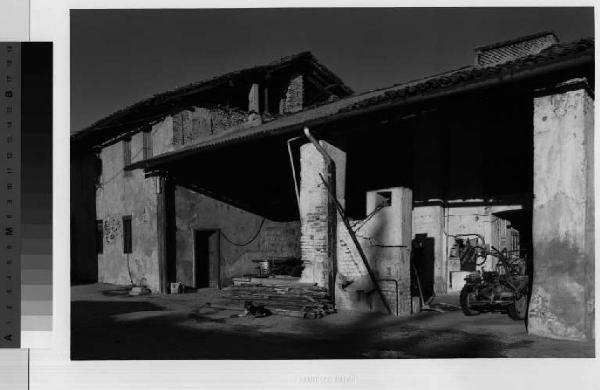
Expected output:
(121, 56)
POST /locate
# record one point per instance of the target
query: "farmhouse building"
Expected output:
(200, 184)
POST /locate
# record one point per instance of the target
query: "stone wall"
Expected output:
(195, 211)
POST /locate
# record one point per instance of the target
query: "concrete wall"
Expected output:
(430, 220)
(194, 211)
(162, 136)
(119, 195)
(562, 302)
(385, 237)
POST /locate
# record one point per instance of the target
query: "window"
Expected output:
(384, 199)
(126, 156)
(127, 234)
(147, 144)
(99, 237)
(126, 152)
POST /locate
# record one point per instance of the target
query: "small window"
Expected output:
(147, 144)
(99, 237)
(384, 199)
(126, 152)
(127, 240)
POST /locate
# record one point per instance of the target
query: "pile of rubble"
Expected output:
(280, 295)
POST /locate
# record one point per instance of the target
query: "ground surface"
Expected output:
(106, 324)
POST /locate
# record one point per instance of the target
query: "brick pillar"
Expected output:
(294, 96)
(318, 219)
(562, 302)
(254, 99)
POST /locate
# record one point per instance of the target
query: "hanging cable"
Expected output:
(254, 237)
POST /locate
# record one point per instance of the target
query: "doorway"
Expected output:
(423, 257)
(206, 259)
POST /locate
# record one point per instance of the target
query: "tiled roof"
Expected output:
(557, 52)
(448, 82)
(516, 40)
(160, 102)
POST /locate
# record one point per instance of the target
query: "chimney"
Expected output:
(501, 52)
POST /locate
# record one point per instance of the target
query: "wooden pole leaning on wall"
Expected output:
(342, 213)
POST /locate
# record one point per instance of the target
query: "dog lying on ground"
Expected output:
(253, 310)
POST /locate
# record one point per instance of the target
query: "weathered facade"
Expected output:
(223, 176)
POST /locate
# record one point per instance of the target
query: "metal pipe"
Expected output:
(294, 170)
(320, 148)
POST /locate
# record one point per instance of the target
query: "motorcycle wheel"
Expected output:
(466, 296)
(518, 309)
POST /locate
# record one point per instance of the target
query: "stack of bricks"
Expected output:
(294, 96)
(349, 263)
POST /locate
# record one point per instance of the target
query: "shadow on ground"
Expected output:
(104, 330)
(97, 335)
(107, 326)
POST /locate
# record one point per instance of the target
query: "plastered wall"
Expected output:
(122, 194)
(195, 211)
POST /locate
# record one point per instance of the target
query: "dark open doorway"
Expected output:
(206, 259)
(423, 257)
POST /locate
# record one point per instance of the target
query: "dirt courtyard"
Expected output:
(107, 324)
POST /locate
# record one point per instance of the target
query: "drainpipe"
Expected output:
(331, 206)
(289, 147)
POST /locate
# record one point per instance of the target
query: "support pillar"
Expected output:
(318, 216)
(253, 99)
(562, 301)
(389, 246)
(165, 229)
